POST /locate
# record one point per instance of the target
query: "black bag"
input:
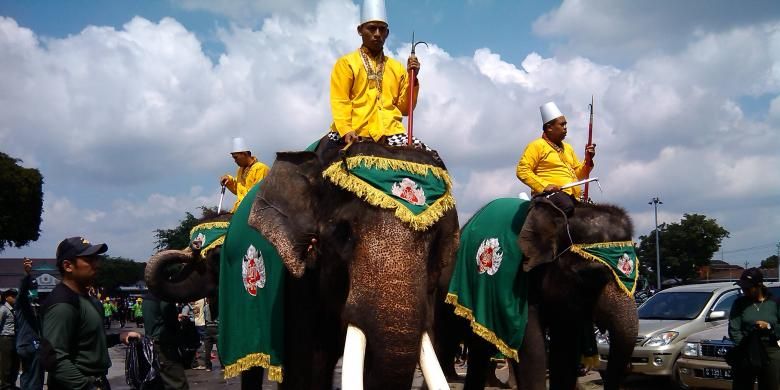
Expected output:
(142, 367)
(749, 355)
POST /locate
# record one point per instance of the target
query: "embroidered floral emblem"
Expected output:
(408, 190)
(197, 243)
(489, 256)
(253, 270)
(625, 264)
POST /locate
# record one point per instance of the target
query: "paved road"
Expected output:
(201, 380)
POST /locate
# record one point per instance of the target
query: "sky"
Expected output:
(128, 108)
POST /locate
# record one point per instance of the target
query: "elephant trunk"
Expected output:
(178, 284)
(388, 301)
(616, 312)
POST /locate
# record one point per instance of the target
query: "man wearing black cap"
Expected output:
(9, 361)
(755, 315)
(75, 346)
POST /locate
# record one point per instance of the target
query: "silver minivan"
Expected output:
(667, 319)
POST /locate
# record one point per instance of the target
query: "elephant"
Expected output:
(567, 293)
(366, 279)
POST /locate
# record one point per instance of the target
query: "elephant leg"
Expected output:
(480, 352)
(449, 330)
(565, 337)
(252, 379)
(616, 312)
(531, 372)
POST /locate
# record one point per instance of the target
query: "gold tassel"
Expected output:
(481, 330)
(254, 360)
(210, 225)
(205, 251)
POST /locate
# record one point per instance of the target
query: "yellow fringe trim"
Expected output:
(205, 251)
(578, 249)
(210, 225)
(254, 360)
(590, 362)
(377, 198)
(480, 329)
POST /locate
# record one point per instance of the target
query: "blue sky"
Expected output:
(127, 108)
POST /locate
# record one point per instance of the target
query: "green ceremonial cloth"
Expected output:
(488, 286)
(619, 256)
(251, 300)
(209, 235)
(420, 194)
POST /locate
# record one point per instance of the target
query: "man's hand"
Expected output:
(413, 64)
(27, 265)
(591, 150)
(350, 137)
(552, 188)
(224, 180)
(126, 336)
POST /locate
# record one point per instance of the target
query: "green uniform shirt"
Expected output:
(74, 327)
(161, 320)
(745, 313)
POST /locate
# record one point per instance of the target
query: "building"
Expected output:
(44, 271)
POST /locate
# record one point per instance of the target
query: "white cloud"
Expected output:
(142, 110)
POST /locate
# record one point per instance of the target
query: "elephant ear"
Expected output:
(538, 239)
(284, 210)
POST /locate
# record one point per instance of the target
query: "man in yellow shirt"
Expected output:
(549, 163)
(250, 171)
(369, 92)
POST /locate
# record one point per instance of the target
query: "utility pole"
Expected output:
(655, 202)
(778, 261)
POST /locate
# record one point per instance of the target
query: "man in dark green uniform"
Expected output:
(75, 346)
(161, 323)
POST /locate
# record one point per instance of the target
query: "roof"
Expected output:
(12, 270)
(703, 287)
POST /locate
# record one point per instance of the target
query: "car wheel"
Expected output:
(675, 379)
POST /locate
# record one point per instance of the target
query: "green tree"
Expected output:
(685, 246)
(21, 203)
(179, 237)
(118, 271)
(769, 262)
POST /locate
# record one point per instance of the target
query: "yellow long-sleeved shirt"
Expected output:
(244, 180)
(541, 165)
(354, 102)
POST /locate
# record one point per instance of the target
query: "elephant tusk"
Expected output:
(353, 360)
(429, 365)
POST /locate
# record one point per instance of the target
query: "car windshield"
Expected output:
(674, 306)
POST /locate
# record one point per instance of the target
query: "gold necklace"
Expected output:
(375, 76)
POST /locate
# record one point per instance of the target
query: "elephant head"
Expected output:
(576, 286)
(184, 275)
(361, 266)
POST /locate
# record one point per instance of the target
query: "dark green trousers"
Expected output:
(768, 378)
(9, 362)
(171, 370)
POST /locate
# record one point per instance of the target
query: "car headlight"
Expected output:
(691, 349)
(661, 339)
(602, 338)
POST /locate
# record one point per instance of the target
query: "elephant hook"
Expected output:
(343, 154)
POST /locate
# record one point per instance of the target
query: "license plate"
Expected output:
(717, 373)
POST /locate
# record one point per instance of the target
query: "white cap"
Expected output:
(239, 145)
(373, 11)
(549, 112)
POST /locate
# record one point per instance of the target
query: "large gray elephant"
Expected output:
(566, 292)
(357, 273)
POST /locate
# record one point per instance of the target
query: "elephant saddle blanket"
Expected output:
(251, 299)
(418, 193)
(488, 285)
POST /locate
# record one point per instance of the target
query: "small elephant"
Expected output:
(565, 293)
(357, 275)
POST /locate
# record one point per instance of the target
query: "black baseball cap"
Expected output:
(71, 248)
(751, 277)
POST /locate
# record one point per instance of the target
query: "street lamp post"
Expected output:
(655, 202)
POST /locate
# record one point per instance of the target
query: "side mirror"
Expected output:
(716, 315)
